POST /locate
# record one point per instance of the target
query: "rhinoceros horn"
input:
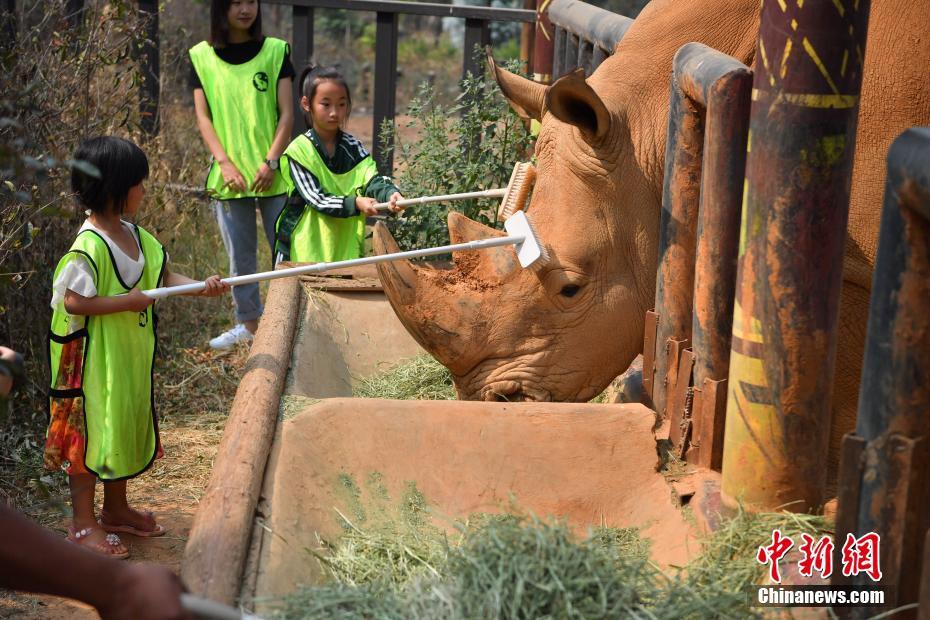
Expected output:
(571, 100)
(489, 265)
(436, 313)
(526, 97)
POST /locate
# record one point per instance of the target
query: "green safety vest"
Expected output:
(115, 380)
(306, 235)
(243, 103)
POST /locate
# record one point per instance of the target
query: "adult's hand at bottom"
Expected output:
(145, 592)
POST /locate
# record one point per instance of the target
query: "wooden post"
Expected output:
(543, 43)
(527, 39)
(385, 81)
(476, 34)
(302, 53)
(219, 538)
(149, 65)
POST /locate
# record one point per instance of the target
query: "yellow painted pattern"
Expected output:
(809, 48)
(752, 454)
(743, 232)
(784, 59)
(839, 7)
(751, 332)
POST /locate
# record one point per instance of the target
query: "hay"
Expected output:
(517, 566)
(420, 378)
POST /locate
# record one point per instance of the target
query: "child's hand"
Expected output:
(137, 301)
(366, 205)
(232, 176)
(393, 200)
(263, 178)
(215, 287)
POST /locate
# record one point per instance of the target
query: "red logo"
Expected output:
(772, 553)
(817, 556)
(860, 555)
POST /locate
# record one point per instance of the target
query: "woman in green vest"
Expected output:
(242, 97)
(102, 421)
(332, 180)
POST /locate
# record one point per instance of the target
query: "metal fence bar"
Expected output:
(600, 27)
(727, 88)
(705, 84)
(886, 459)
(301, 54)
(558, 52)
(598, 57)
(570, 57)
(418, 8)
(585, 52)
(783, 353)
(477, 36)
(385, 81)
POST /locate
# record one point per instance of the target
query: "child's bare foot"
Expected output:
(131, 522)
(99, 541)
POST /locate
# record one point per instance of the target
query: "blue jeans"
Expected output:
(237, 227)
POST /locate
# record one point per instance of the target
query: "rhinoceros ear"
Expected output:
(573, 101)
(525, 96)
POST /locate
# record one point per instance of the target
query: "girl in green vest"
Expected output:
(242, 97)
(102, 421)
(332, 180)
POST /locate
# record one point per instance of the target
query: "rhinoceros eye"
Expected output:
(569, 290)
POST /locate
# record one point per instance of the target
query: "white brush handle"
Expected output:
(211, 610)
(409, 202)
(493, 242)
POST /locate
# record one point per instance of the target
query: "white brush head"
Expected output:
(530, 252)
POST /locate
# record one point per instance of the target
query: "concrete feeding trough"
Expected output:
(295, 432)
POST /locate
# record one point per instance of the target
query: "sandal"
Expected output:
(108, 547)
(125, 528)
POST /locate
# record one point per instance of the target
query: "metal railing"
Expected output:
(584, 35)
(885, 464)
(385, 73)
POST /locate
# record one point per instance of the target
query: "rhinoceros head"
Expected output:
(564, 332)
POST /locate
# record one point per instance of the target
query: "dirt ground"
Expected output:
(193, 414)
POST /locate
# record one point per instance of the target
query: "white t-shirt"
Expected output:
(78, 275)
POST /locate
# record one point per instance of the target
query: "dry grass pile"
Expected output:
(420, 378)
(518, 566)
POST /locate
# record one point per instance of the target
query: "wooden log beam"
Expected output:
(218, 543)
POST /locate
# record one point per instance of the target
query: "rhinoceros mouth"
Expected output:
(513, 391)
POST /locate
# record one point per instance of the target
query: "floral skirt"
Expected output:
(66, 440)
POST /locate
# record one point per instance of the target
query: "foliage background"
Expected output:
(67, 76)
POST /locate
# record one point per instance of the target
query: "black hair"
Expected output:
(120, 165)
(311, 77)
(219, 23)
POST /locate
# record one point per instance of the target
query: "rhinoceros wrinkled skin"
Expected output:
(564, 333)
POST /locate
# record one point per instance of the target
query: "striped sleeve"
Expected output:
(306, 183)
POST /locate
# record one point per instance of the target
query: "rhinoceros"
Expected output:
(564, 333)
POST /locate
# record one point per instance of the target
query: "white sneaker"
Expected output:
(227, 339)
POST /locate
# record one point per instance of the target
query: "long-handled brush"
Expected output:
(530, 252)
(514, 195)
(205, 609)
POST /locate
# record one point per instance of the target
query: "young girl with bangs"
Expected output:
(102, 422)
(333, 181)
